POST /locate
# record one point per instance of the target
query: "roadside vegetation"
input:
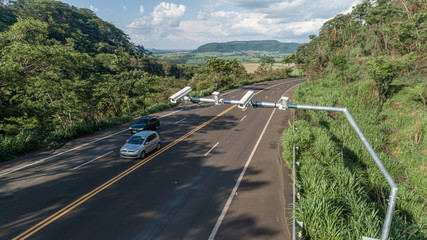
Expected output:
(65, 73)
(371, 61)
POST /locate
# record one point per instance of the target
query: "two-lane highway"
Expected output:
(217, 176)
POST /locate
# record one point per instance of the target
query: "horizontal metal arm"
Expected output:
(265, 104)
(197, 100)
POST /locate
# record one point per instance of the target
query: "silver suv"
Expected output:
(140, 144)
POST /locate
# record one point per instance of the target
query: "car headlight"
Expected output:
(140, 129)
(135, 151)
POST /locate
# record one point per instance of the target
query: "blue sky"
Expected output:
(188, 24)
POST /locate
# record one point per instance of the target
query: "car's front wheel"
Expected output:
(142, 155)
(158, 146)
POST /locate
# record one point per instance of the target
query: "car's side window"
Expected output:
(152, 137)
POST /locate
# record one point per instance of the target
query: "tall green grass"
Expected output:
(343, 194)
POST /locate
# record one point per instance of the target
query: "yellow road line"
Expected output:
(92, 193)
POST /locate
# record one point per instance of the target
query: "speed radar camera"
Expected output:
(284, 103)
(245, 100)
(179, 96)
(217, 98)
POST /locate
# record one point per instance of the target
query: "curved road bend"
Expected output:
(218, 176)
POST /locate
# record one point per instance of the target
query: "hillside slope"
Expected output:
(371, 61)
(89, 33)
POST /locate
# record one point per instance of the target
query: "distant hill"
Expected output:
(238, 46)
(162, 51)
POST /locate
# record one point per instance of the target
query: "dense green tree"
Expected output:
(224, 70)
(142, 52)
(340, 60)
(7, 17)
(383, 69)
(41, 73)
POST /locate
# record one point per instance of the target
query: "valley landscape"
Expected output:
(72, 83)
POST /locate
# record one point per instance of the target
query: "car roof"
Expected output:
(144, 133)
(147, 117)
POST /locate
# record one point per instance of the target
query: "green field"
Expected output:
(199, 58)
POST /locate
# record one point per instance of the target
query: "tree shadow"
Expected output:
(395, 89)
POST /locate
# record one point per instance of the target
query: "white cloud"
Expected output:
(124, 8)
(251, 24)
(162, 24)
(164, 15)
(139, 23)
(229, 20)
(291, 10)
(168, 14)
(246, 4)
(305, 27)
(94, 9)
(141, 9)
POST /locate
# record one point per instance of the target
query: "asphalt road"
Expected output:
(218, 175)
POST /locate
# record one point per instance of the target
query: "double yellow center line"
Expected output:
(97, 190)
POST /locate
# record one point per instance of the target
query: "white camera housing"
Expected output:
(217, 98)
(245, 100)
(284, 103)
(179, 96)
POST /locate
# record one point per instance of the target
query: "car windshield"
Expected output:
(141, 121)
(136, 140)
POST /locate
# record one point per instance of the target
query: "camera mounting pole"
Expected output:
(283, 104)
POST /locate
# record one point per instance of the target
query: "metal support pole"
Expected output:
(294, 180)
(387, 176)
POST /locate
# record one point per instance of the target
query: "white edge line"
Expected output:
(170, 114)
(230, 92)
(179, 121)
(211, 149)
(58, 154)
(93, 160)
(230, 198)
(20, 168)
